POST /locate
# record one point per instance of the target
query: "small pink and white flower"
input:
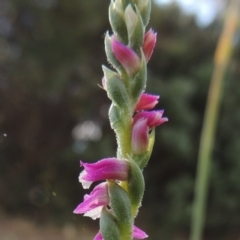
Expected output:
(142, 123)
(107, 168)
(93, 204)
(154, 118)
(126, 56)
(146, 102)
(137, 233)
(149, 43)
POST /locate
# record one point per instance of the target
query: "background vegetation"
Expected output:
(51, 54)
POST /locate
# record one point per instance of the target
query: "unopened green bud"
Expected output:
(144, 7)
(125, 3)
(136, 36)
(131, 19)
(116, 18)
(118, 5)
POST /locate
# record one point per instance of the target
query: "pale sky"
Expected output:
(205, 10)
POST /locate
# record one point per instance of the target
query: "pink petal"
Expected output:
(104, 83)
(126, 56)
(98, 236)
(108, 168)
(154, 118)
(138, 233)
(140, 136)
(146, 102)
(97, 198)
(149, 43)
(85, 183)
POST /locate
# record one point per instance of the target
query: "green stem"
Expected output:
(210, 121)
(124, 140)
(206, 144)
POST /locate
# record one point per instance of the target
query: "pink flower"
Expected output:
(107, 168)
(126, 56)
(149, 43)
(92, 204)
(137, 233)
(142, 123)
(146, 102)
(154, 118)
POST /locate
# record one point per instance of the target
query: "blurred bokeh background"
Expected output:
(53, 113)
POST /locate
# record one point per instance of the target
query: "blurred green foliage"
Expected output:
(50, 68)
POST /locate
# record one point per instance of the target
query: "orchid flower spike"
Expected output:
(117, 199)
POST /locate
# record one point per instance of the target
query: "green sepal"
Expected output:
(110, 56)
(136, 37)
(121, 207)
(115, 117)
(136, 186)
(116, 89)
(125, 3)
(142, 159)
(118, 118)
(109, 226)
(116, 18)
(138, 84)
(144, 7)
